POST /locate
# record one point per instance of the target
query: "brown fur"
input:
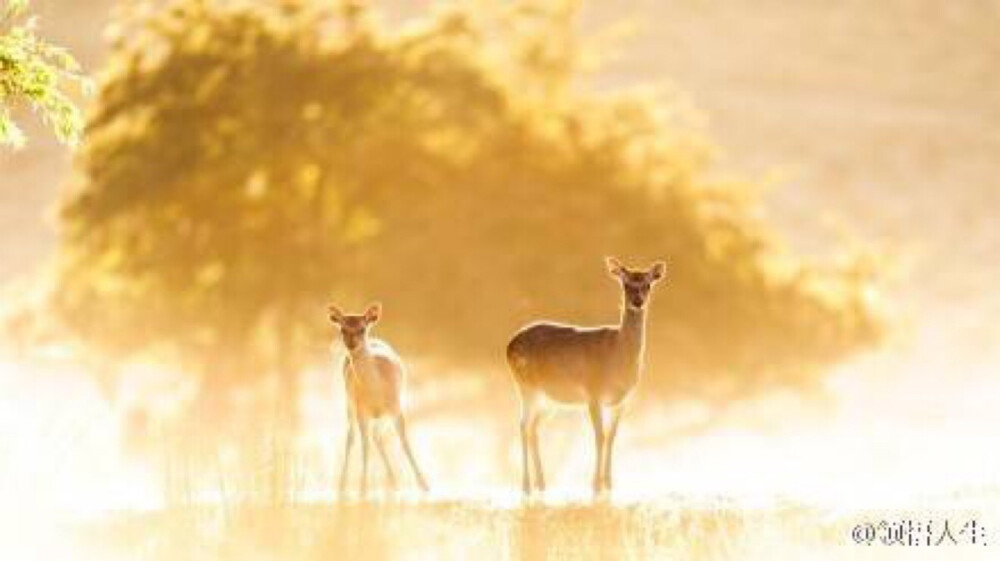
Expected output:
(598, 367)
(374, 381)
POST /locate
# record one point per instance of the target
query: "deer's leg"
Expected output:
(380, 444)
(616, 414)
(535, 453)
(365, 429)
(348, 443)
(404, 439)
(528, 413)
(525, 437)
(597, 421)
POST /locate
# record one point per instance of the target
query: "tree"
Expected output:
(35, 72)
(243, 166)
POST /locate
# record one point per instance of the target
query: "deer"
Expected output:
(595, 367)
(374, 381)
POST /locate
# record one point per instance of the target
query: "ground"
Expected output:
(668, 528)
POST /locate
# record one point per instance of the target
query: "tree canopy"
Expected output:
(35, 72)
(245, 165)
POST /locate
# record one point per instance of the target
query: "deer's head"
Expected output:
(636, 284)
(354, 327)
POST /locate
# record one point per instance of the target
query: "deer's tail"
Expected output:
(517, 360)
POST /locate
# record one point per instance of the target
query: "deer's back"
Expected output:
(569, 364)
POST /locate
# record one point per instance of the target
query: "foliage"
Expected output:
(35, 72)
(243, 166)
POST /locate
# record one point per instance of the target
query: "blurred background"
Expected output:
(819, 176)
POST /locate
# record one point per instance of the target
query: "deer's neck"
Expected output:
(361, 357)
(632, 331)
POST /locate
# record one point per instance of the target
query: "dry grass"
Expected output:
(444, 530)
(666, 529)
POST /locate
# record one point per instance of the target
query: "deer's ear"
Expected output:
(615, 267)
(658, 271)
(336, 316)
(374, 312)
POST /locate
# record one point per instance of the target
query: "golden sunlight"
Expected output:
(394, 280)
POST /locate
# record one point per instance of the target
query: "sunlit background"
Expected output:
(821, 178)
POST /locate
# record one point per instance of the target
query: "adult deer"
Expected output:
(374, 379)
(597, 367)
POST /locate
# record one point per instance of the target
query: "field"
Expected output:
(785, 501)
(506, 529)
(794, 488)
(718, 496)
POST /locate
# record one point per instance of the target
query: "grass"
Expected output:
(463, 529)
(442, 530)
(272, 500)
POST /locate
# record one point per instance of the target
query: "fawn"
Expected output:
(374, 379)
(594, 366)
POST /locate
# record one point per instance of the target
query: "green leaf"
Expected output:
(38, 74)
(10, 133)
(15, 8)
